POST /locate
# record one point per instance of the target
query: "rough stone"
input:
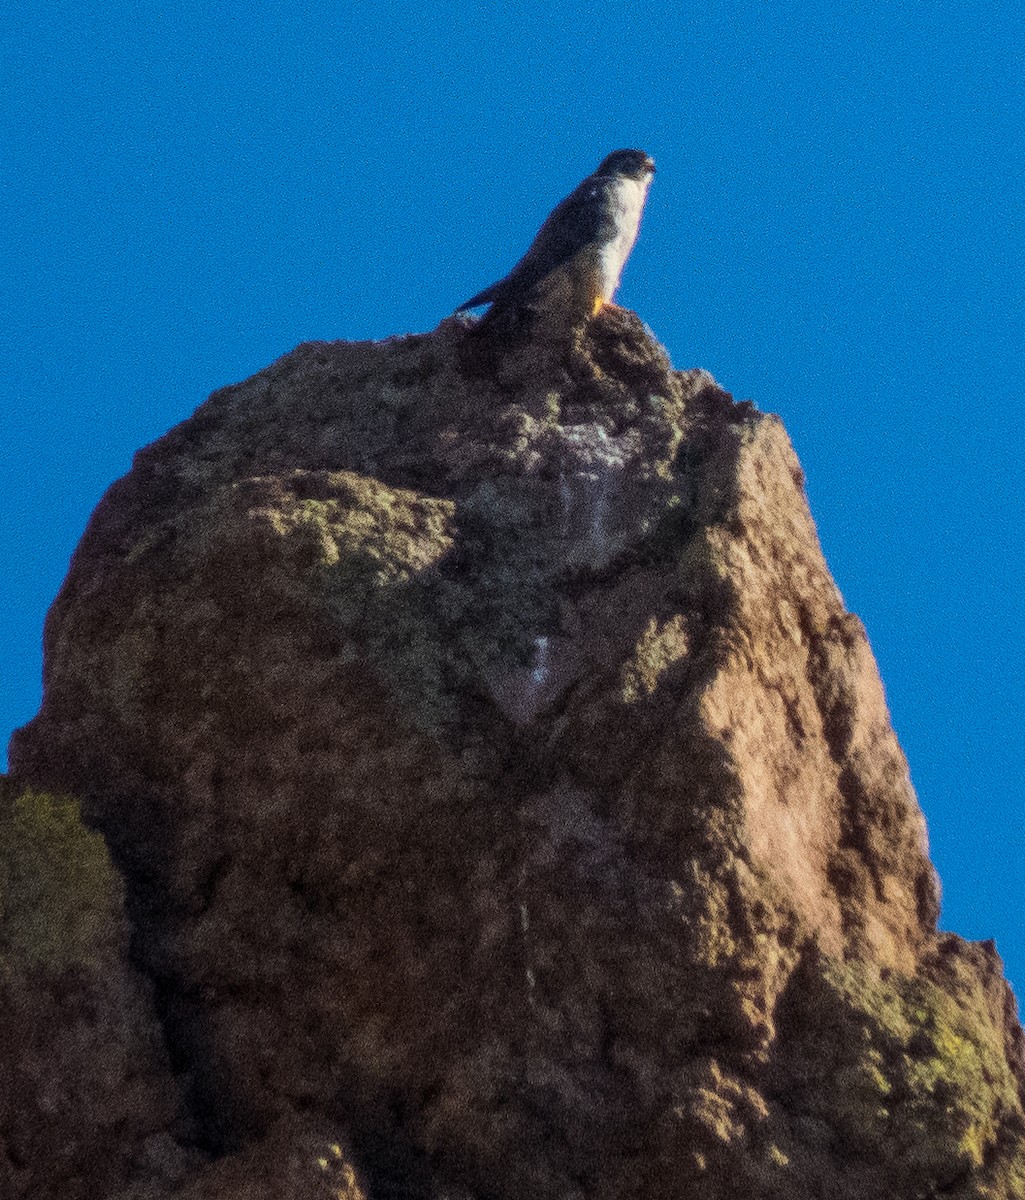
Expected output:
(499, 781)
(84, 1078)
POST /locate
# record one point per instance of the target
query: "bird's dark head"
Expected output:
(634, 164)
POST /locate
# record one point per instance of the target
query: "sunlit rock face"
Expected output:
(502, 789)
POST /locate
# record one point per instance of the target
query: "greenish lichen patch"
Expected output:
(907, 1076)
(60, 896)
(373, 554)
(376, 557)
(660, 645)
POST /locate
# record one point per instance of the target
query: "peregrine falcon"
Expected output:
(575, 261)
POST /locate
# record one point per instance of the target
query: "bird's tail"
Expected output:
(484, 297)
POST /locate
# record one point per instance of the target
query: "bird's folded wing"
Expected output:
(583, 218)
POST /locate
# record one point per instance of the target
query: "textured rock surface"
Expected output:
(86, 1097)
(500, 782)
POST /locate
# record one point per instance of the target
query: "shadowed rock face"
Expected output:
(498, 778)
(86, 1095)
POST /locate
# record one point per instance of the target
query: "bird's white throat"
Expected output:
(628, 199)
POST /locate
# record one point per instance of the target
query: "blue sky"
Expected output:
(835, 232)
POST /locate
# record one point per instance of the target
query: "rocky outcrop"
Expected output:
(506, 799)
(87, 1099)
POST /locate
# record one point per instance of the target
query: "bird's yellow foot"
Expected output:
(597, 306)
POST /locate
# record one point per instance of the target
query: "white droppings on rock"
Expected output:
(593, 465)
(524, 691)
(539, 673)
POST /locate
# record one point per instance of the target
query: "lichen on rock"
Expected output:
(909, 1074)
(84, 1080)
(60, 897)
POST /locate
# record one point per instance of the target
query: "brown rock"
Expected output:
(498, 778)
(84, 1081)
(295, 1160)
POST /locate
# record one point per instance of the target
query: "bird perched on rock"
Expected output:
(574, 263)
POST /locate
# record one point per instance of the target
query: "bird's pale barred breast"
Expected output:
(628, 200)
